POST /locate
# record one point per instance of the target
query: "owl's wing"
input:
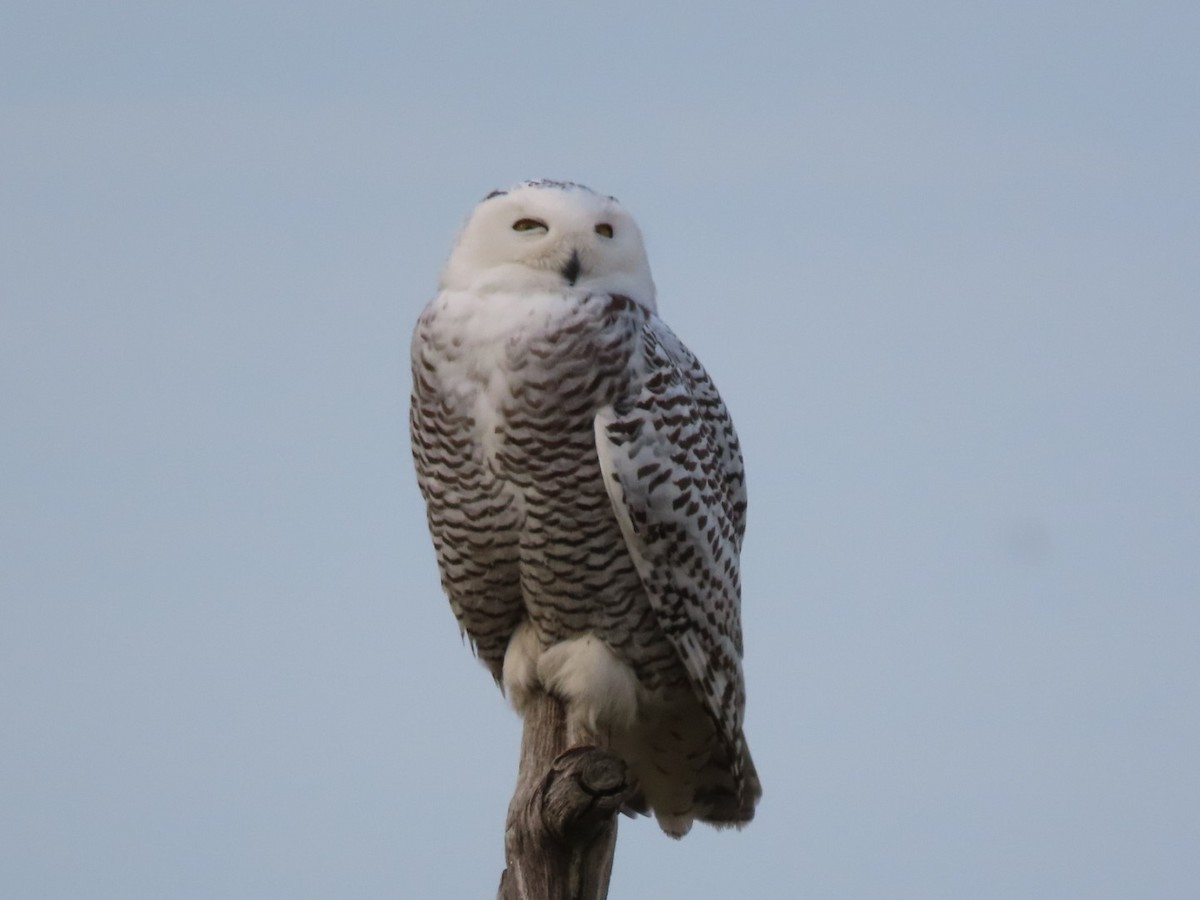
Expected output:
(673, 470)
(716, 417)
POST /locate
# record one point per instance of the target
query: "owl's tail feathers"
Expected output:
(728, 788)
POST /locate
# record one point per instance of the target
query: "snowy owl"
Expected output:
(585, 493)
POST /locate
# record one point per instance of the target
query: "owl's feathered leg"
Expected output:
(600, 691)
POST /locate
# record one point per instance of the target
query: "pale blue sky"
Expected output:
(942, 260)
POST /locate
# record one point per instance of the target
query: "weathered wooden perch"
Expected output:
(561, 830)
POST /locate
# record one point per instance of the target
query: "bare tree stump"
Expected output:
(561, 831)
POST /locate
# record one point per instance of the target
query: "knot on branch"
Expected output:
(582, 791)
(562, 828)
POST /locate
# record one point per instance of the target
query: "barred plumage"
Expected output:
(585, 493)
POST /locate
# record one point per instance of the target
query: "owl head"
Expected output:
(550, 236)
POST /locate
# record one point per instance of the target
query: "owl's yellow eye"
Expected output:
(604, 230)
(529, 225)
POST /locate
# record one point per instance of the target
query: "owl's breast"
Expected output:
(531, 371)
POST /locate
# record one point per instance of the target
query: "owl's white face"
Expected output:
(550, 236)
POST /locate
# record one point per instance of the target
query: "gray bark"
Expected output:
(561, 830)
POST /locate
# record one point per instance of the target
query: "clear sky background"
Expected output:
(943, 260)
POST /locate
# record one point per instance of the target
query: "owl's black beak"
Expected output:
(571, 270)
